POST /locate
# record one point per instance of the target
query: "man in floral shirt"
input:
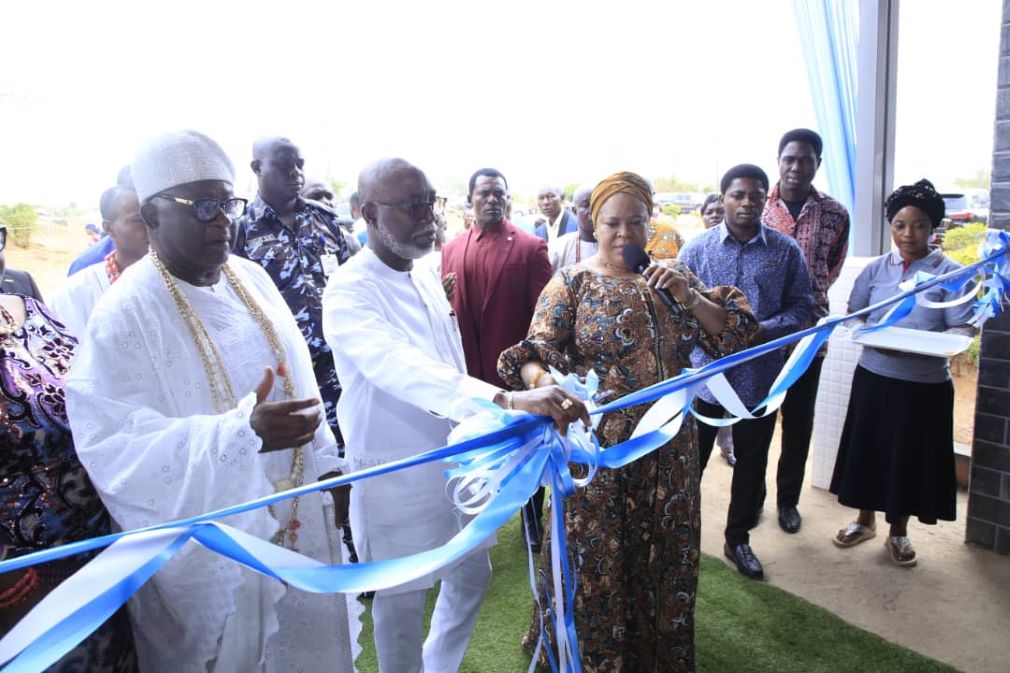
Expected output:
(299, 244)
(820, 226)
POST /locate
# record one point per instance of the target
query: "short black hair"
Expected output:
(709, 200)
(489, 172)
(749, 171)
(812, 138)
(110, 194)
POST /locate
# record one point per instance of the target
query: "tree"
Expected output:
(979, 180)
(673, 184)
(21, 221)
(337, 186)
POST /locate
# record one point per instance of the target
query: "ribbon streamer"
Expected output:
(502, 459)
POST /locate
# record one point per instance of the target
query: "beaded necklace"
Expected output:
(222, 393)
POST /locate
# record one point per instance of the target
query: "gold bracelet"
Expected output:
(536, 377)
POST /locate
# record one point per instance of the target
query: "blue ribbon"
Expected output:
(545, 460)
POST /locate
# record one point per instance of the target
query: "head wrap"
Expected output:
(922, 195)
(620, 183)
(178, 158)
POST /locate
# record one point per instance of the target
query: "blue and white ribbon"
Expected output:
(502, 457)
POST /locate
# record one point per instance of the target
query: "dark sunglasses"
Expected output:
(3, 238)
(206, 210)
(418, 210)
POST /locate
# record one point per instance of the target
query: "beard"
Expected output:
(402, 250)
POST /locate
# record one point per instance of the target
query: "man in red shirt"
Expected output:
(500, 271)
(820, 226)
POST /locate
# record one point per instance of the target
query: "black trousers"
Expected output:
(751, 440)
(797, 426)
(533, 512)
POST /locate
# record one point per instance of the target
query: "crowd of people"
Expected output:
(210, 351)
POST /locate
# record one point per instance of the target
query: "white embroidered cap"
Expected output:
(179, 158)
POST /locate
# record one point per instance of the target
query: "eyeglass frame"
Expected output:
(194, 204)
(433, 207)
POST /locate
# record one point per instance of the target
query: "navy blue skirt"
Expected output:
(896, 454)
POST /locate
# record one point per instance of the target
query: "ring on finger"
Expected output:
(567, 404)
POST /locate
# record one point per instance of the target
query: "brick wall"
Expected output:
(989, 492)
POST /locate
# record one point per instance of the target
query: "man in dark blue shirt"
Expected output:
(299, 244)
(769, 268)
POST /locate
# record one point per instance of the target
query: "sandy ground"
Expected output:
(954, 606)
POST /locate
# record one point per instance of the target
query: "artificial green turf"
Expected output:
(743, 626)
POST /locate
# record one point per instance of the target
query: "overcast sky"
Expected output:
(546, 91)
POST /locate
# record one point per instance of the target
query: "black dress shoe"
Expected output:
(532, 537)
(745, 561)
(789, 519)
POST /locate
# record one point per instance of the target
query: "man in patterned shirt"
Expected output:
(299, 244)
(768, 267)
(820, 226)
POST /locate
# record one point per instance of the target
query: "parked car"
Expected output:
(687, 201)
(965, 205)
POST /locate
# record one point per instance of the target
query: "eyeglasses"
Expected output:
(418, 210)
(206, 210)
(3, 238)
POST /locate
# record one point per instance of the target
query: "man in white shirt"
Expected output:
(122, 222)
(176, 410)
(580, 245)
(399, 355)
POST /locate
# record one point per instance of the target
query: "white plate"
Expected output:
(936, 344)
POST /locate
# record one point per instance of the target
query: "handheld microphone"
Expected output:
(636, 259)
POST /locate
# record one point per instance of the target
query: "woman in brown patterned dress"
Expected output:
(46, 498)
(633, 533)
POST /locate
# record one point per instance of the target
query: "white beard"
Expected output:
(402, 250)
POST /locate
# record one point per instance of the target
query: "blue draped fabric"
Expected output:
(828, 32)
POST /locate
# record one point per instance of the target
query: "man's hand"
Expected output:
(551, 401)
(664, 277)
(449, 285)
(280, 424)
(341, 499)
(759, 337)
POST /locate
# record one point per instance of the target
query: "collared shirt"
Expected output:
(477, 265)
(553, 226)
(570, 249)
(770, 271)
(822, 232)
(299, 260)
(878, 281)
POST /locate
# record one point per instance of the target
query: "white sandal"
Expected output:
(901, 551)
(853, 534)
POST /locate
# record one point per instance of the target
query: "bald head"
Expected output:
(397, 203)
(280, 171)
(263, 147)
(581, 202)
(317, 190)
(380, 179)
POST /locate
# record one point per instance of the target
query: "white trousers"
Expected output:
(398, 621)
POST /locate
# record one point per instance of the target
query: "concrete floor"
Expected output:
(953, 606)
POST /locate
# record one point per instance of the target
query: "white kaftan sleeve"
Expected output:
(355, 326)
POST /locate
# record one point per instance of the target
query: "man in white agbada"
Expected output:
(398, 353)
(193, 390)
(121, 220)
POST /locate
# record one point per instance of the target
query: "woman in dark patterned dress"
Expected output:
(45, 493)
(633, 533)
